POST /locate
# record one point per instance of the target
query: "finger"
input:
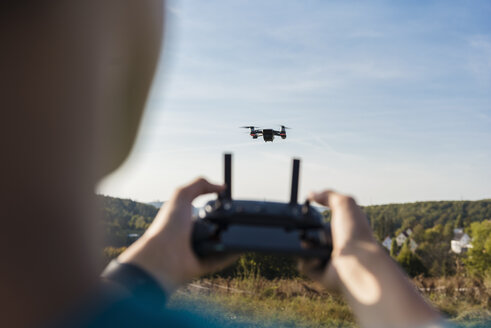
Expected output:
(321, 197)
(347, 219)
(332, 199)
(199, 187)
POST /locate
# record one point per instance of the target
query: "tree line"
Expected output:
(432, 225)
(122, 218)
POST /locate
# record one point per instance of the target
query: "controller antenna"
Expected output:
(227, 193)
(295, 173)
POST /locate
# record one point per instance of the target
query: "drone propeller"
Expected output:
(284, 127)
(248, 127)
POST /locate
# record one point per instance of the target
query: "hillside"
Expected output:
(432, 225)
(392, 218)
(122, 217)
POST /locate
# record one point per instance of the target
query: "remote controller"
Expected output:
(227, 226)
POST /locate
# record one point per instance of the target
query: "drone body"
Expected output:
(267, 134)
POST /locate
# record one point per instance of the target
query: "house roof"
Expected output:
(458, 233)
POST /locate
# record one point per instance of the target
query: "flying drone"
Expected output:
(267, 134)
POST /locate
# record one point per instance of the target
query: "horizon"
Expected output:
(315, 204)
(387, 102)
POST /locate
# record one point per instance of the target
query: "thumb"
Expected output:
(198, 187)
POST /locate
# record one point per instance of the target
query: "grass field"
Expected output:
(257, 302)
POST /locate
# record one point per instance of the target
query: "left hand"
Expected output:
(165, 250)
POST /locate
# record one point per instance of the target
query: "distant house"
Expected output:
(401, 239)
(461, 241)
(387, 243)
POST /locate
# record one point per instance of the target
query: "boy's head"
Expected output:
(76, 75)
(74, 79)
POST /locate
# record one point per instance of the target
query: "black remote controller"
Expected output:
(227, 226)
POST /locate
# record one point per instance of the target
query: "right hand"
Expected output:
(377, 290)
(351, 233)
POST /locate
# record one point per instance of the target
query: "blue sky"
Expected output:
(388, 101)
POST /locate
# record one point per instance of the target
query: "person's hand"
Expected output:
(351, 234)
(376, 289)
(165, 249)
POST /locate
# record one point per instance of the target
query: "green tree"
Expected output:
(263, 265)
(394, 249)
(448, 232)
(458, 221)
(410, 262)
(138, 222)
(478, 259)
(110, 253)
(418, 233)
(436, 257)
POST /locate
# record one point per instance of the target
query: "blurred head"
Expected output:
(129, 51)
(74, 80)
(76, 75)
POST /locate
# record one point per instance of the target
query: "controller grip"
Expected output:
(202, 232)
